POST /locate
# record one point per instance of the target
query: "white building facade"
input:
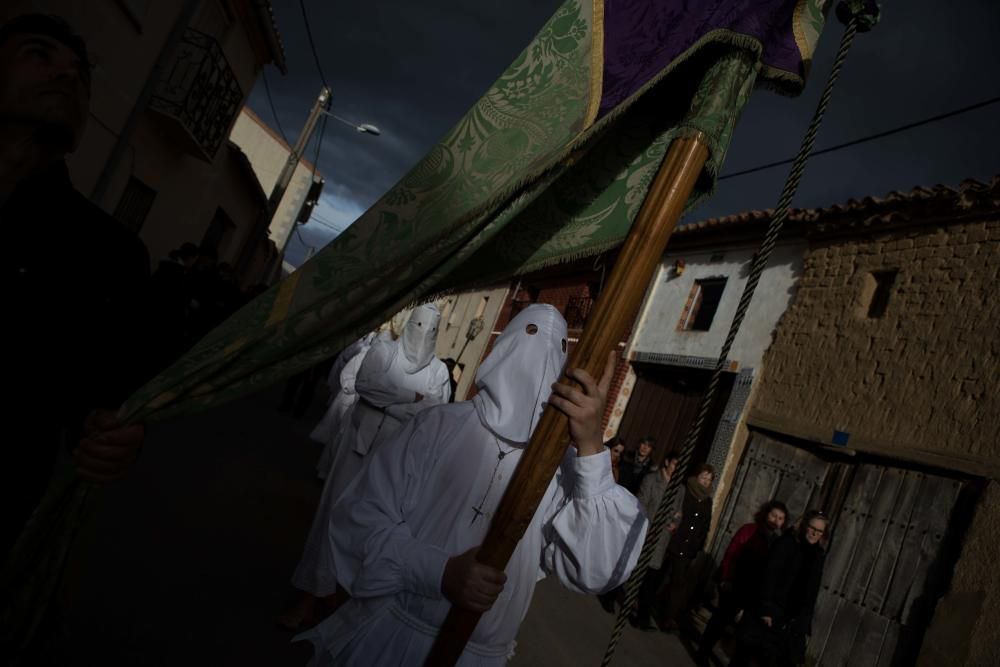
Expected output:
(268, 152)
(680, 330)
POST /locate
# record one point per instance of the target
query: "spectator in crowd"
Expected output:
(775, 630)
(692, 516)
(740, 570)
(650, 494)
(617, 447)
(638, 465)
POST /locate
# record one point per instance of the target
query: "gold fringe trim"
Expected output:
(596, 63)
(283, 300)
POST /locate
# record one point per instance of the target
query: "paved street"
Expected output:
(187, 562)
(566, 628)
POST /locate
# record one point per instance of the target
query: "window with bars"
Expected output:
(199, 94)
(135, 204)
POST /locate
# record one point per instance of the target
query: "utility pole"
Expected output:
(321, 105)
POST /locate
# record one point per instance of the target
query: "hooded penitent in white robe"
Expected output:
(389, 377)
(339, 412)
(430, 493)
(340, 401)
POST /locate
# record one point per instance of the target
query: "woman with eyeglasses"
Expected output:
(775, 630)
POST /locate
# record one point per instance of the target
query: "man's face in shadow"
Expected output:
(44, 86)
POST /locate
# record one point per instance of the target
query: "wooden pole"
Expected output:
(613, 313)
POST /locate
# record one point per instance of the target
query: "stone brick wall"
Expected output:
(923, 374)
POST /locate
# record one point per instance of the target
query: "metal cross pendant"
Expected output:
(478, 512)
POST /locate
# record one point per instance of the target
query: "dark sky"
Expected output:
(413, 69)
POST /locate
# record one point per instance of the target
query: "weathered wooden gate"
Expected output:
(770, 470)
(892, 550)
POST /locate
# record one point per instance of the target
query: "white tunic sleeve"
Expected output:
(441, 384)
(375, 383)
(594, 528)
(349, 376)
(374, 551)
(438, 392)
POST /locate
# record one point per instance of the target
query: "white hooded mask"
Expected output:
(419, 338)
(515, 380)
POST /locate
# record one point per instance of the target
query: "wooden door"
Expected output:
(664, 403)
(894, 541)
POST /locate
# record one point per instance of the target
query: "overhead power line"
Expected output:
(312, 43)
(302, 239)
(322, 78)
(329, 226)
(317, 216)
(871, 137)
(274, 111)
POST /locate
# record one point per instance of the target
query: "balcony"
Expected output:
(198, 95)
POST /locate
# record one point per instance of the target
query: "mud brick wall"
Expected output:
(923, 373)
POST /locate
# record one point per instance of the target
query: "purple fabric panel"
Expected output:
(641, 37)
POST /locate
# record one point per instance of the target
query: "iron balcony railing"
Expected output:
(199, 93)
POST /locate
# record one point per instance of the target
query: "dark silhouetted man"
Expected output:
(73, 280)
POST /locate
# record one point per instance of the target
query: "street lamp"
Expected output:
(363, 128)
(321, 107)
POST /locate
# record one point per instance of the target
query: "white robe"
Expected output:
(329, 425)
(386, 392)
(412, 508)
(385, 402)
(339, 412)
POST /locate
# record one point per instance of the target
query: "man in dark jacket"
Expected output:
(740, 570)
(692, 523)
(634, 468)
(775, 629)
(73, 280)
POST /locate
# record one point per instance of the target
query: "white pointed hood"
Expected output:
(515, 380)
(419, 338)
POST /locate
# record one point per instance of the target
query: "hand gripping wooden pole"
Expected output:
(613, 313)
